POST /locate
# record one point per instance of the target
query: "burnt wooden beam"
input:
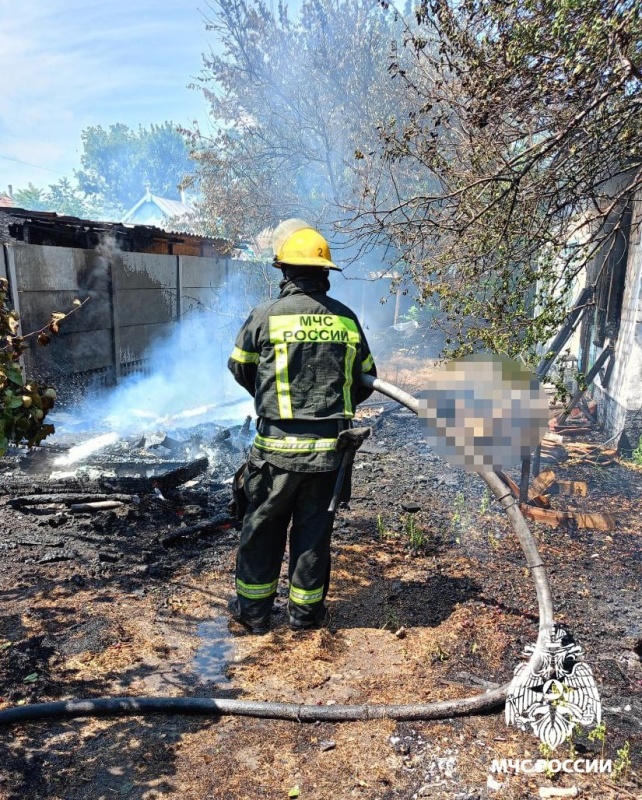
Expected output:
(218, 524)
(67, 499)
(174, 478)
(124, 485)
(566, 331)
(608, 352)
(537, 458)
(523, 484)
(92, 508)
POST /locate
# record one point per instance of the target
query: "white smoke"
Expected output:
(185, 382)
(82, 451)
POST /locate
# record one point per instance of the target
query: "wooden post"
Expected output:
(537, 456)
(608, 352)
(565, 331)
(523, 485)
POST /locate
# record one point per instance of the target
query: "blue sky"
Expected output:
(67, 65)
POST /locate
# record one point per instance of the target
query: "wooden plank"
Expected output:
(587, 412)
(592, 453)
(533, 496)
(567, 430)
(573, 488)
(598, 522)
(64, 499)
(556, 519)
(543, 481)
(538, 499)
(99, 505)
(556, 453)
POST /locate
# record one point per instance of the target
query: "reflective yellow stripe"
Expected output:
(244, 357)
(291, 444)
(318, 328)
(283, 381)
(351, 352)
(305, 596)
(256, 591)
(368, 364)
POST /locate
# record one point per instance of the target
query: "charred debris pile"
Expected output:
(190, 468)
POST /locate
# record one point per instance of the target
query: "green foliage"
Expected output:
(414, 533)
(440, 654)
(32, 198)
(485, 501)
(492, 145)
(64, 199)
(24, 403)
(514, 161)
(411, 315)
(636, 455)
(622, 762)
(382, 530)
(60, 197)
(118, 164)
(459, 516)
(295, 102)
(598, 734)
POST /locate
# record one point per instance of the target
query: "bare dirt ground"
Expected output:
(96, 605)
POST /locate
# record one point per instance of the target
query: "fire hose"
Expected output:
(441, 709)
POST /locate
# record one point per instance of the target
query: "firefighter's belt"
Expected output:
(303, 428)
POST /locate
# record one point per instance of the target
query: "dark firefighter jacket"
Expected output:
(301, 357)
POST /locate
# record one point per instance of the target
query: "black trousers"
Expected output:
(276, 498)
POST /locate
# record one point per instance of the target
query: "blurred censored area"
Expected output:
(484, 412)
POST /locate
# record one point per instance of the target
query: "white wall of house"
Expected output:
(621, 401)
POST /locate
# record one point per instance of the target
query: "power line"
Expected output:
(29, 164)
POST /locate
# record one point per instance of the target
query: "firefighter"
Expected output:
(301, 357)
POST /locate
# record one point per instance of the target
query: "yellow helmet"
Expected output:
(305, 247)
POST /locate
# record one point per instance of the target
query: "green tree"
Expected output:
(119, 163)
(516, 160)
(31, 198)
(64, 199)
(295, 103)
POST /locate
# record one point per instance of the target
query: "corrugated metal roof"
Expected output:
(172, 209)
(45, 227)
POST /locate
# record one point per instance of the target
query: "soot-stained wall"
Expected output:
(133, 300)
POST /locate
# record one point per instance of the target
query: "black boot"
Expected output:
(257, 627)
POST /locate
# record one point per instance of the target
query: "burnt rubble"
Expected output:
(175, 468)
